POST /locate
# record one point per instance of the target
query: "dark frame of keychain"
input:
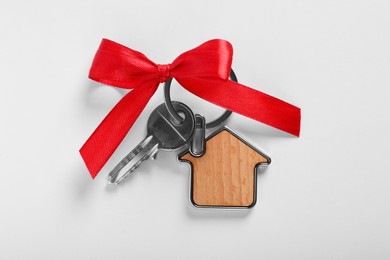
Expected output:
(256, 168)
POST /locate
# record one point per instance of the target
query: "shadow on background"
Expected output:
(81, 183)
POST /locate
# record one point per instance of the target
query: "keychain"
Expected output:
(223, 165)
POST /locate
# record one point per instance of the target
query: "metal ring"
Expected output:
(179, 119)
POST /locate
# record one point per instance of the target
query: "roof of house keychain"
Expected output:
(223, 166)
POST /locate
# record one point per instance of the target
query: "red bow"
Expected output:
(204, 71)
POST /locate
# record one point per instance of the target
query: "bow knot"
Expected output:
(165, 72)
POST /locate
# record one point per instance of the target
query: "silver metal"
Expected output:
(198, 141)
(162, 134)
(145, 150)
(179, 119)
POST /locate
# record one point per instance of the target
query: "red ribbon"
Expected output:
(204, 71)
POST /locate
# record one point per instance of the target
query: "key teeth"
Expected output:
(151, 147)
(132, 170)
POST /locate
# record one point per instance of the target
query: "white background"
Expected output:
(325, 195)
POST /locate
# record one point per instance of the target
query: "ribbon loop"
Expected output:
(204, 71)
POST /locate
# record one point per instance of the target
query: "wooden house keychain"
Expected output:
(223, 165)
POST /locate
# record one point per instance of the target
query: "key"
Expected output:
(163, 133)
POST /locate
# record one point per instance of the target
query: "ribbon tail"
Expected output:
(248, 102)
(109, 134)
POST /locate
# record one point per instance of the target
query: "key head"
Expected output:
(169, 133)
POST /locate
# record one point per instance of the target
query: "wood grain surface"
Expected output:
(225, 174)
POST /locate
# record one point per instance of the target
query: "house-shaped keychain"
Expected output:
(226, 174)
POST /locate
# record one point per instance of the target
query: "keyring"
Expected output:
(179, 119)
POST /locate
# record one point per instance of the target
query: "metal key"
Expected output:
(164, 133)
